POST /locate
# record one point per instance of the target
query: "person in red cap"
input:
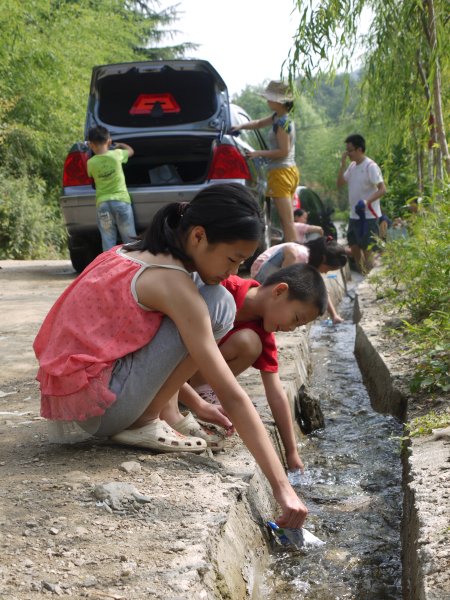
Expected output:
(365, 188)
(282, 173)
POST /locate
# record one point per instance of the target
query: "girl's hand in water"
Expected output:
(212, 413)
(294, 511)
(294, 462)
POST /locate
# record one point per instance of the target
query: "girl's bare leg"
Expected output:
(286, 212)
(144, 381)
(167, 396)
(240, 351)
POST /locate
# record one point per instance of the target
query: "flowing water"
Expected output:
(352, 487)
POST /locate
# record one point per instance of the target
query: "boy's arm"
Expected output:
(204, 411)
(335, 317)
(314, 229)
(89, 172)
(279, 405)
(126, 147)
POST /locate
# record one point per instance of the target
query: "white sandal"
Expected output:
(190, 426)
(158, 435)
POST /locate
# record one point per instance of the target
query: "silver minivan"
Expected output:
(176, 115)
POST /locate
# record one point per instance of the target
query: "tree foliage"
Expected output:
(326, 115)
(47, 51)
(46, 57)
(405, 52)
(418, 285)
(28, 228)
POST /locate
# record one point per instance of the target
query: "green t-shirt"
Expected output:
(106, 170)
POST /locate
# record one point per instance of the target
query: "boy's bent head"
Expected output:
(304, 283)
(98, 135)
(300, 215)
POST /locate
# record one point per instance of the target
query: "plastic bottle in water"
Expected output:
(327, 323)
(300, 538)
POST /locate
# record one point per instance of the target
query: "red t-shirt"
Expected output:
(267, 360)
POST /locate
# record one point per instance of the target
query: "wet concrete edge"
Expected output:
(426, 508)
(241, 550)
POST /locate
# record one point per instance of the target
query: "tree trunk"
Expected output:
(440, 128)
(431, 128)
(430, 164)
(437, 95)
(420, 177)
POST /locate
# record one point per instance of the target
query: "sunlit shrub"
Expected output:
(416, 280)
(425, 424)
(29, 229)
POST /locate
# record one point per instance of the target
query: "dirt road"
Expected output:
(61, 532)
(27, 291)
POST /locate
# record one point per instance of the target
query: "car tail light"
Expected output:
(228, 163)
(296, 201)
(75, 170)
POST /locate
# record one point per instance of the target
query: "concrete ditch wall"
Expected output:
(426, 461)
(241, 550)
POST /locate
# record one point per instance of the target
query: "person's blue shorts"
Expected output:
(364, 239)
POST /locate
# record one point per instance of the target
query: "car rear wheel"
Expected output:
(82, 252)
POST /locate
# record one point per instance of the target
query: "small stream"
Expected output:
(352, 487)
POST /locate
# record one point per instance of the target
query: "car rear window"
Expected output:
(155, 99)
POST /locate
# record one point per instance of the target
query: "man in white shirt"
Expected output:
(365, 188)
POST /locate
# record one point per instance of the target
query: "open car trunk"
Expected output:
(175, 160)
(158, 95)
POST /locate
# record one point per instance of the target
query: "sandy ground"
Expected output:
(58, 536)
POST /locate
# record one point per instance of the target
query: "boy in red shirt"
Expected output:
(293, 296)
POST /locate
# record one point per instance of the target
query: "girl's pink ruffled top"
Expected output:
(93, 323)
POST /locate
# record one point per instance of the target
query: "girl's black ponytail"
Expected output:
(325, 251)
(228, 212)
(160, 237)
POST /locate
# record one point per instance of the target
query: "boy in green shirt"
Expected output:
(114, 210)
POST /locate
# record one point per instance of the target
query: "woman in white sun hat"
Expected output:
(282, 172)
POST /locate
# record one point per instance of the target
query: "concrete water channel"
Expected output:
(202, 536)
(351, 485)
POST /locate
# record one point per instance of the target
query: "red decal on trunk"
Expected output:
(146, 103)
